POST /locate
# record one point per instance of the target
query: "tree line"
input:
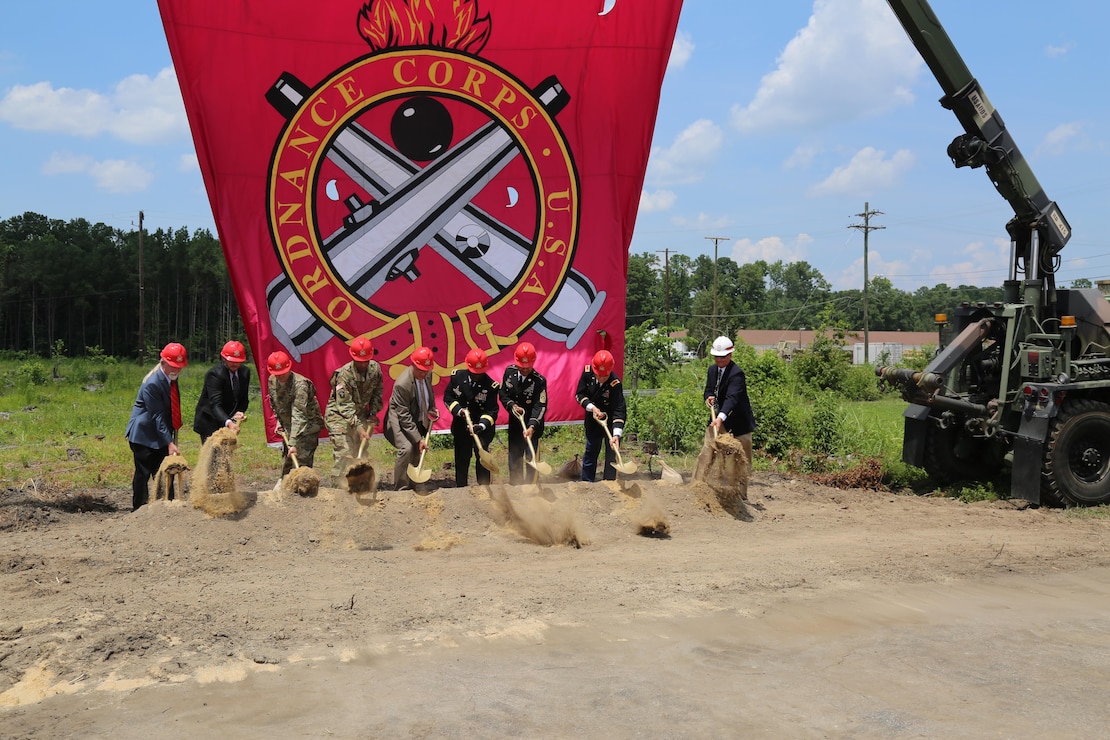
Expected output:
(709, 299)
(76, 285)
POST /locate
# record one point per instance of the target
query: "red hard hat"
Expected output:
(602, 364)
(234, 352)
(476, 361)
(174, 355)
(361, 349)
(279, 363)
(421, 358)
(525, 354)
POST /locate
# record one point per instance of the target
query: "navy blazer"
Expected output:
(217, 402)
(731, 398)
(151, 422)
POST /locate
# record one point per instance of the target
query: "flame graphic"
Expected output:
(451, 24)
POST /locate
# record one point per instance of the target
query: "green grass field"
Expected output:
(62, 423)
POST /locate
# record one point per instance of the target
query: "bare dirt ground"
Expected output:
(504, 612)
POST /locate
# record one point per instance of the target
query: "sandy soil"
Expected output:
(508, 612)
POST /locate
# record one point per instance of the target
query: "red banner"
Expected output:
(446, 173)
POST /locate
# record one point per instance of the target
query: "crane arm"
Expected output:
(986, 142)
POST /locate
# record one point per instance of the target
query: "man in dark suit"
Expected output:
(155, 419)
(412, 409)
(726, 393)
(223, 401)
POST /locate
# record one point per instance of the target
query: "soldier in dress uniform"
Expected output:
(474, 390)
(524, 396)
(600, 393)
(354, 403)
(294, 403)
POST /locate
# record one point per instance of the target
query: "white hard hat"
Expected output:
(721, 346)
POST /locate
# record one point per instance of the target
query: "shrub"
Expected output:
(825, 425)
(822, 367)
(675, 420)
(31, 373)
(779, 427)
(861, 384)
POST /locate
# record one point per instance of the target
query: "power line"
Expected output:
(866, 228)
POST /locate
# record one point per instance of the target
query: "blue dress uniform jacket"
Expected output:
(151, 424)
(609, 397)
(477, 393)
(529, 394)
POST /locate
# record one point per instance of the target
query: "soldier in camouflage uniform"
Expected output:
(354, 403)
(524, 396)
(294, 403)
(474, 390)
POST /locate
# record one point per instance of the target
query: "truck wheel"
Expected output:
(953, 455)
(1077, 458)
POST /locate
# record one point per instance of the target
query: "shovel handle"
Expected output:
(531, 449)
(620, 460)
(427, 436)
(285, 439)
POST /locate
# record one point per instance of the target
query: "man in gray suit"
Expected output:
(412, 408)
(155, 418)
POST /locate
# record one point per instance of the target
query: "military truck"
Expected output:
(1025, 380)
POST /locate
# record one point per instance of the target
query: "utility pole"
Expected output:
(866, 228)
(667, 285)
(715, 239)
(142, 342)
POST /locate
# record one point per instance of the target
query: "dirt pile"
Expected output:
(102, 604)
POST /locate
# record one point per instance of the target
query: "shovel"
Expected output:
(417, 473)
(484, 457)
(302, 481)
(361, 474)
(541, 467)
(628, 468)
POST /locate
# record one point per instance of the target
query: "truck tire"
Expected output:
(1077, 458)
(953, 455)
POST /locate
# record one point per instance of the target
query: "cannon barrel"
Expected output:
(910, 379)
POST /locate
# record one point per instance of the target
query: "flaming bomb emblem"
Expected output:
(424, 165)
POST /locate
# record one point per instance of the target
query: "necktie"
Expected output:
(423, 394)
(175, 405)
(235, 383)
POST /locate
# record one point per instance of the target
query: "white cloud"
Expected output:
(1059, 51)
(188, 163)
(851, 61)
(660, 200)
(802, 157)
(984, 263)
(140, 110)
(1061, 138)
(771, 249)
(684, 161)
(701, 222)
(851, 277)
(110, 175)
(681, 51)
(62, 163)
(868, 171)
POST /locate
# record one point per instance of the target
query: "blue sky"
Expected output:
(778, 121)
